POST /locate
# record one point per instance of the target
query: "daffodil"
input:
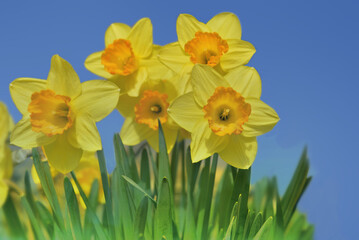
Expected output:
(129, 57)
(6, 166)
(224, 114)
(142, 113)
(217, 44)
(60, 113)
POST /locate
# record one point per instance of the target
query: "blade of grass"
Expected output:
(107, 192)
(95, 221)
(11, 215)
(33, 221)
(136, 186)
(163, 214)
(73, 208)
(264, 230)
(46, 218)
(140, 218)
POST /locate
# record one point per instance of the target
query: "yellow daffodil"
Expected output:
(6, 166)
(60, 113)
(142, 113)
(86, 173)
(217, 44)
(129, 58)
(224, 114)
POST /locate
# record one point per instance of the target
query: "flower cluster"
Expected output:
(198, 85)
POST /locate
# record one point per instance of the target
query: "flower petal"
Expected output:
(116, 31)
(63, 79)
(6, 165)
(6, 123)
(126, 105)
(84, 134)
(155, 68)
(227, 25)
(239, 53)
(4, 189)
(99, 98)
(133, 133)
(94, 65)
(173, 56)
(187, 26)
(23, 136)
(261, 120)
(204, 81)
(205, 142)
(246, 81)
(132, 83)
(141, 38)
(240, 151)
(185, 111)
(21, 90)
(62, 155)
(170, 138)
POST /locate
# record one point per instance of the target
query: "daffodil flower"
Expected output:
(129, 57)
(224, 114)
(60, 113)
(217, 44)
(142, 113)
(6, 166)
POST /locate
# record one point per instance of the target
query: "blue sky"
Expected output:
(306, 55)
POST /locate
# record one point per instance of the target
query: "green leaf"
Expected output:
(34, 223)
(140, 218)
(256, 225)
(73, 208)
(296, 188)
(46, 218)
(11, 215)
(163, 214)
(95, 221)
(94, 193)
(47, 184)
(136, 186)
(264, 230)
(164, 166)
(145, 170)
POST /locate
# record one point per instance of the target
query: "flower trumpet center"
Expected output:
(151, 107)
(50, 113)
(226, 111)
(206, 48)
(118, 58)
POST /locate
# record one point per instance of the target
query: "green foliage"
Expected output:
(154, 196)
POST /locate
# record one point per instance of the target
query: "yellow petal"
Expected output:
(173, 56)
(116, 31)
(204, 81)
(23, 136)
(205, 142)
(99, 98)
(227, 25)
(170, 138)
(62, 155)
(5, 123)
(94, 65)
(63, 79)
(132, 85)
(185, 111)
(182, 80)
(6, 167)
(126, 105)
(240, 151)
(246, 81)
(261, 120)
(133, 133)
(21, 90)
(155, 68)
(187, 26)
(4, 189)
(84, 134)
(239, 53)
(141, 38)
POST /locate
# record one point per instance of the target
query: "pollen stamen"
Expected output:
(206, 48)
(151, 107)
(226, 111)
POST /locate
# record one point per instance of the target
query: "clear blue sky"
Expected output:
(307, 55)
